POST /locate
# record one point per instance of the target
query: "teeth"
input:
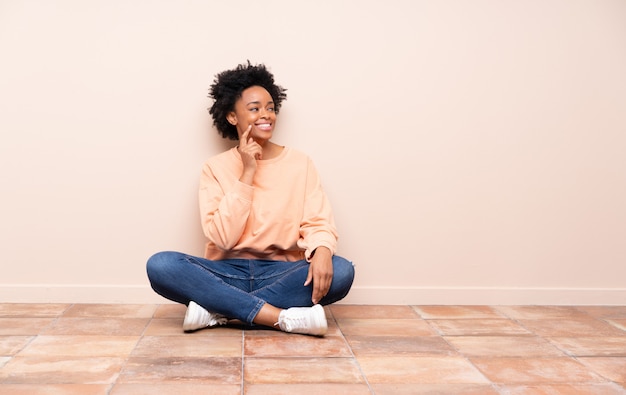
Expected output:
(263, 125)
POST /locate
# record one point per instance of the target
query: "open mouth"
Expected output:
(264, 126)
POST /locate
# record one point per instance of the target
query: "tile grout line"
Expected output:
(459, 353)
(576, 357)
(55, 320)
(243, 359)
(566, 354)
(57, 317)
(354, 358)
(128, 356)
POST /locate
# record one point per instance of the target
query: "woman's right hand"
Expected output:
(250, 152)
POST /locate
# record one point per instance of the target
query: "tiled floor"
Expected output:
(141, 349)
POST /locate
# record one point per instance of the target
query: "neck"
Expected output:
(271, 150)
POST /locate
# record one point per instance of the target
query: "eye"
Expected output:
(270, 109)
(254, 109)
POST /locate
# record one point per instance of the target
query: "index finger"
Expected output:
(317, 293)
(244, 136)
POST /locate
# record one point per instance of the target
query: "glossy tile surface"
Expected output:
(116, 349)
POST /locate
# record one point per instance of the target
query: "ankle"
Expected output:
(268, 316)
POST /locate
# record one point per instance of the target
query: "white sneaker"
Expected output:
(304, 320)
(197, 317)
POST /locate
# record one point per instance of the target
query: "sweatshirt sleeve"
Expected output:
(224, 209)
(317, 228)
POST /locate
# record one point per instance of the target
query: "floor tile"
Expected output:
(592, 346)
(301, 370)
(10, 345)
(333, 327)
(32, 309)
(328, 312)
(571, 327)
(474, 327)
(4, 361)
(457, 312)
(372, 311)
(619, 323)
(307, 389)
(434, 389)
(541, 312)
(423, 370)
(118, 349)
(399, 345)
(111, 310)
(23, 326)
(384, 327)
(611, 368)
(166, 326)
(188, 346)
(504, 346)
(55, 389)
(538, 370)
(171, 310)
(61, 370)
(97, 326)
(250, 331)
(170, 370)
(81, 346)
(176, 389)
(296, 346)
(564, 389)
(174, 327)
(604, 311)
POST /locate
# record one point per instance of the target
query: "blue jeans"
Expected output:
(238, 288)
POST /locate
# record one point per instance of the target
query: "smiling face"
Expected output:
(255, 107)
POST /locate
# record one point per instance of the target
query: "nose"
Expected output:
(263, 113)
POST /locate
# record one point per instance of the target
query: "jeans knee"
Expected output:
(343, 271)
(160, 263)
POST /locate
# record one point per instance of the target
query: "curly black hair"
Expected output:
(227, 88)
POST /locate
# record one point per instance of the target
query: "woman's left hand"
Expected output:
(320, 273)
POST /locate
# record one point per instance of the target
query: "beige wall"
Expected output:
(474, 151)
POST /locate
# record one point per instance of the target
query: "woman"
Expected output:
(269, 259)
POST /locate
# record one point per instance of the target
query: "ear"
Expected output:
(231, 118)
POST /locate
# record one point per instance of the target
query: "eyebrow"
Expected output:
(258, 102)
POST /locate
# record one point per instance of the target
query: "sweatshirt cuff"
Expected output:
(308, 254)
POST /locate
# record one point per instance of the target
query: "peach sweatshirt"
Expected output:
(285, 215)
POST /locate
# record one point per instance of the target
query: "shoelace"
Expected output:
(217, 319)
(299, 321)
